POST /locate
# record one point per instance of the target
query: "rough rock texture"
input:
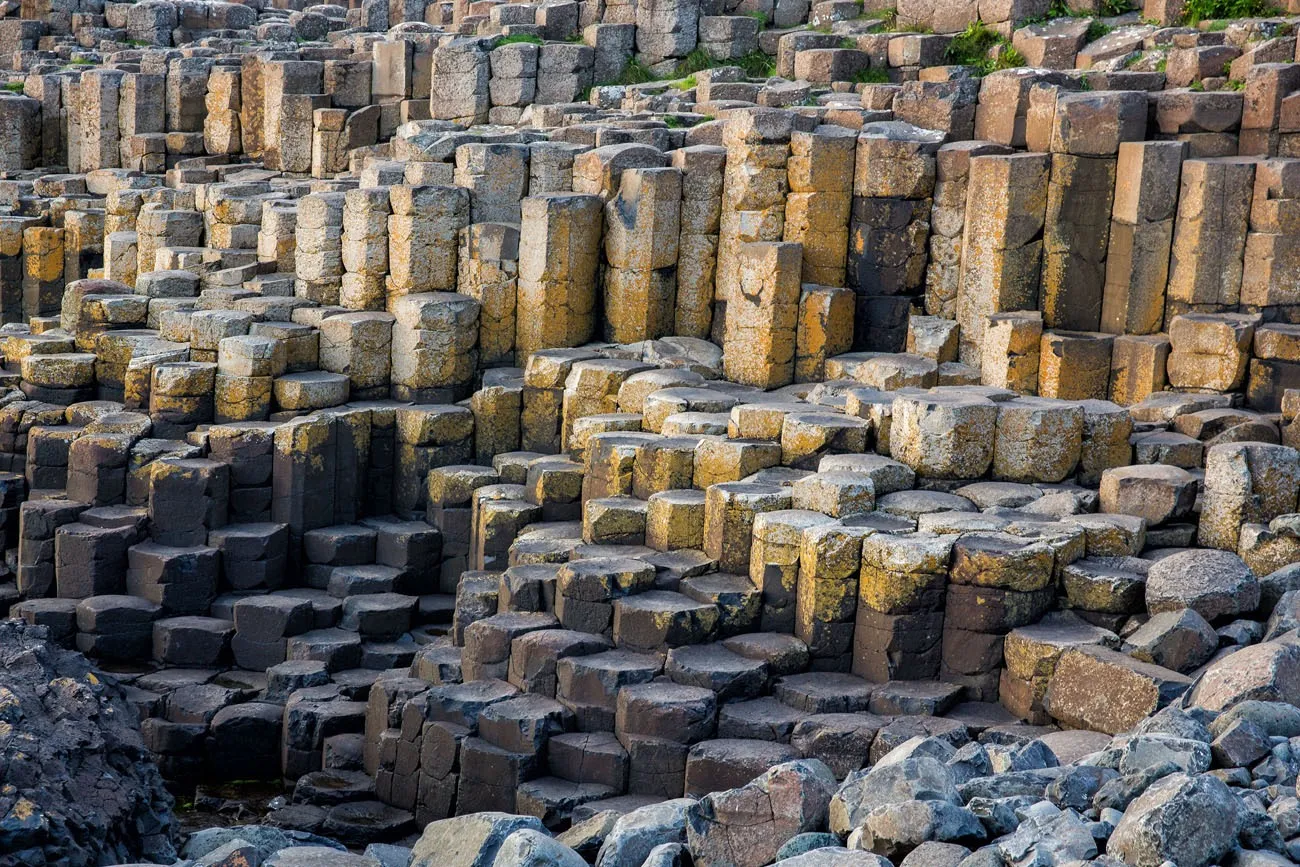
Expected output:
(79, 786)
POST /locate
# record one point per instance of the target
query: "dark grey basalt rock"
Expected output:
(77, 785)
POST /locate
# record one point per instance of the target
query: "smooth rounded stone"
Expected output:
(636, 833)
(837, 857)
(903, 729)
(893, 830)
(1285, 616)
(1275, 585)
(1216, 584)
(637, 387)
(729, 763)
(529, 848)
(586, 836)
(1190, 820)
(1267, 672)
(388, 855)
(841, 740)
(784, 654)
(1276, 718)
(620, 805)
(764, 719)
(731, 676)
(267, 839)
(935, 854)
(806, 842)
(316, 856)
(915, 778)
(468, 841)
(824, 692)
(913, 504)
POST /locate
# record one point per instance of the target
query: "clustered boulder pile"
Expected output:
(77, 785)
(653, 433)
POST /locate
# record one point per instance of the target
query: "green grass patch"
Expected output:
(872, 76)
(14, 86)
(685, 83)
(516, 38)
(1096, 30)
(887, 17)
(672, 121)
(636, 72)
(983, 48)
(761, 18)
(756, 64)
(1207, 10)
(1235, 84)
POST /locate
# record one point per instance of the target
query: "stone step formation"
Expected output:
(644, 432)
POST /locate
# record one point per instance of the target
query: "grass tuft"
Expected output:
(636, 72)
(984, 49)
(1214, 10)
(875, 75)
(516, 38)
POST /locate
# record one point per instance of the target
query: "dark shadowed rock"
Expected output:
(67, 731)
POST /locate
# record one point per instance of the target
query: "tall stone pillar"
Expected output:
(559, 251)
